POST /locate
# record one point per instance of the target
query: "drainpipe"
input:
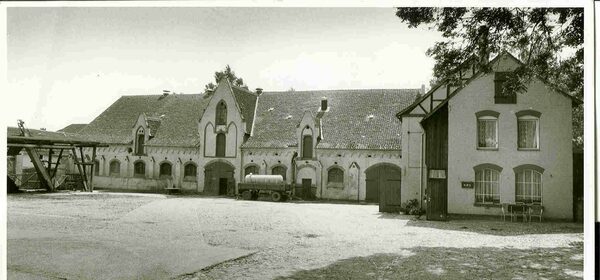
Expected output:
(358, 186)
(293, 185)
(422, 168)
(321, 181)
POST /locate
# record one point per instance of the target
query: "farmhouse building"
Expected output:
(482, 148)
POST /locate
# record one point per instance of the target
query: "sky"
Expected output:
(68, 64)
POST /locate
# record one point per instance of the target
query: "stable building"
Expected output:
(334, 144)
(481, 148)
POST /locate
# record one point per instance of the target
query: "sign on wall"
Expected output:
(437, 174)
(467, 185)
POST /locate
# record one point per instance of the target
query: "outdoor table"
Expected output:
(518, 209)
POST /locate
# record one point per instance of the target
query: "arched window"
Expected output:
(165, 169)
(115, 168)
(252, 169)
(221, 114)
(528, 130)
(139, 169)
(220, 145)
(307, 146)
(487, 183)
(189, 170)
(139, 143)
(528, 185)
(279, 170)
(487, 130)
(335, 175)
(96, 168)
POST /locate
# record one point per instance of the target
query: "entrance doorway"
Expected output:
(222, 186)
(218, 179)
(383, 186)
(306, 192)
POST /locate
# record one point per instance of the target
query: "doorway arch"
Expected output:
(383, 186)
(219, 179)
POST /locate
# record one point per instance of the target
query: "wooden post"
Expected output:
(49, 160)
(83, 166)
(79, 167)
(93, 169)
(57, 163)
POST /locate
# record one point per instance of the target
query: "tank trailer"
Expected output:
(273, 186)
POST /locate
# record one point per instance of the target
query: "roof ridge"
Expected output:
(342, 90)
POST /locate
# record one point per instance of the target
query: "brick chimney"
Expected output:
(165, 92)
(423, 89)
(324, 103)
(259, 91)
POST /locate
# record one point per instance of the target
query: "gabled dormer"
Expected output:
(140, 134)
(308, 134)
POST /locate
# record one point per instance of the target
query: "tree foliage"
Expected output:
(230, 75)
(549, 42)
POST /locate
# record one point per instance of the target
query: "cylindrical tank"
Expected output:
(263, 179)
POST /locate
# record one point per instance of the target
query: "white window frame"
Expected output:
(530, 185)
(483, 194)
(488, 118)
(537, 131)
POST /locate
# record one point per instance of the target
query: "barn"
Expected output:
(328, 144)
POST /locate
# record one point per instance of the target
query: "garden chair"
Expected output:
(506, 211)
(517, 210)
(537, 211)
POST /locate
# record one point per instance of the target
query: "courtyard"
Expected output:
(103, 235)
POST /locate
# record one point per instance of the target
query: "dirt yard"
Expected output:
(125, 236)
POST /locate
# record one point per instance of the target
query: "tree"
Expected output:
(230, 75)
(549, 42)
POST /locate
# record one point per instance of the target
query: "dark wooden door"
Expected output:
(383, 186)
(389, 198)
(222, 186)
(306, 188)
(372, 193)
(437, 199)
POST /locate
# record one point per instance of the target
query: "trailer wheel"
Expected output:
(275, 196)
(247, 195)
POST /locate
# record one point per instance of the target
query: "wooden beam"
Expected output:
(49, 161)
(85, 179)
(78, 166)
(57, 163)
(93, 169)
(40, 168)
(40, 146)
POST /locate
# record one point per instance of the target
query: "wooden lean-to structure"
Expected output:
(33, 145)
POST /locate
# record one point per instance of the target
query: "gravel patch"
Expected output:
(279, 239)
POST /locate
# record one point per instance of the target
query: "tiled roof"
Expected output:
(347, 124)
(73, 128)
(178, 115)
(247, 102)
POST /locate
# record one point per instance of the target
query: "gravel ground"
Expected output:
(283, 238)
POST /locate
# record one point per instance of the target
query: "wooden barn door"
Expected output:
(383, 186)
(437, 199)
(436, 159)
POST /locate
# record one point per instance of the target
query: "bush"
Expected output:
(412, 207)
